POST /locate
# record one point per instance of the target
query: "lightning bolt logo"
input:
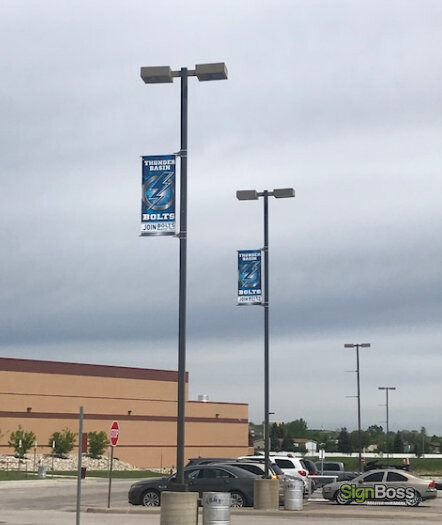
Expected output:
(250, 275)
(159, 192)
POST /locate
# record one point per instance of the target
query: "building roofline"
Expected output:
(10, 364)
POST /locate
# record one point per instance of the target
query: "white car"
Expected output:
(291, 466)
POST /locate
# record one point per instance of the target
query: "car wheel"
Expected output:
(414, 501)
(340, 500)
(151, 498)
(237, 499)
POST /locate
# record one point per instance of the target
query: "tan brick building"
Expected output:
(46, 396)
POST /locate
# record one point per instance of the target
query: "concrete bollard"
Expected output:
(266, 494)
(179, 508)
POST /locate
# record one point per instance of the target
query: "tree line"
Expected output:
(402, 441)
(283, 436)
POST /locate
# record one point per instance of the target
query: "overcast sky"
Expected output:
(341, 100)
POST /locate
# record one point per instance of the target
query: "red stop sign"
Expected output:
(114, 433)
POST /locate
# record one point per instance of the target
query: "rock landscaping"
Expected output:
(70, 463)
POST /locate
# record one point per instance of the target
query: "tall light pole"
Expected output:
(164, 75)
(357, 346)
(249, 195)
(387, 388)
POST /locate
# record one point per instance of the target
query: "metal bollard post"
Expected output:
(293, 494)
(216, 508)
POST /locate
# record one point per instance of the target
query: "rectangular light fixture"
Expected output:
(247, 195)
(156, 74)
(283, 193)
(217, 71)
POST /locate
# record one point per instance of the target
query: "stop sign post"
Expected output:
(114, 435)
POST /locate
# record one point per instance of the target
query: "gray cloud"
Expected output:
(340, 101)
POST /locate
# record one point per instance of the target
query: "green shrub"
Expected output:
(21, 441)
(98, 442)
(64, 441)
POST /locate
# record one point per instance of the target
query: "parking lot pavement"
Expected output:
(317, 509)
(238, 518)
(54, 517)
(52, 502)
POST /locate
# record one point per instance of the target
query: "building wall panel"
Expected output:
(45, 397)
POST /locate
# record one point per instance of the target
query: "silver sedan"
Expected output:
(382, 485)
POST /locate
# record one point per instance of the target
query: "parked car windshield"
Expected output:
(193, 474)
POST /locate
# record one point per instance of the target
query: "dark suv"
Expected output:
(206, 461)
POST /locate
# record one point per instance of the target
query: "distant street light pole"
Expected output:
(387, 388)
(248, 195)
(164, 75)
(357, 346)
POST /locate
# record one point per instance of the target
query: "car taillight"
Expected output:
(431, 485)
(302, 472)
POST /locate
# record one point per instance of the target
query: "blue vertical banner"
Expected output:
(249, 277)
(158, 195)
